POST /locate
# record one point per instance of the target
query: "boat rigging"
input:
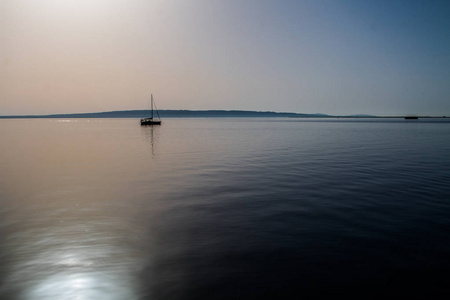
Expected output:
(151, 120)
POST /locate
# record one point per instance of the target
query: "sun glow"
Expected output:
(74, 6)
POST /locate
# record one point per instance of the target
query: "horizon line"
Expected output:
(317, 115)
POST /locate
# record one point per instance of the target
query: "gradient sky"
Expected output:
(335, 57)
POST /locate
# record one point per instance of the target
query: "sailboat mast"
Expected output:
(150, 121)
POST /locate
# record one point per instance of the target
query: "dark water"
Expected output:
(224, 209)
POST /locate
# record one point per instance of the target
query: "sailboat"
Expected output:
(151, 120)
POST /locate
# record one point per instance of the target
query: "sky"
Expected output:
(320, 56)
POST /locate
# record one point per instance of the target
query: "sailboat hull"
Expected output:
(149, 121)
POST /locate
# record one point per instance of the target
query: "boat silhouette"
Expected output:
(151, 120)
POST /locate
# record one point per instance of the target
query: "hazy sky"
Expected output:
(336, 57)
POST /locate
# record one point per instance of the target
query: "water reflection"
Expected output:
(71, 224)
(57, 253)
(95, 285)
(150, 135)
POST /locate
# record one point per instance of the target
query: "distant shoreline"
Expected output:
(201, 114)
(175, 114)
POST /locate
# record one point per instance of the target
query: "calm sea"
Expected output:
(224, 208)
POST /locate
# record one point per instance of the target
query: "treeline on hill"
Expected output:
(174, 114)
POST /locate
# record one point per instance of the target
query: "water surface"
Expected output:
(223, 208)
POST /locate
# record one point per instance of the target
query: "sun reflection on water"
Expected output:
(80, 286)
(69, 262)
(73, 276)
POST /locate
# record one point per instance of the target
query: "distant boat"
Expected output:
(411, 118)
(151, 120)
